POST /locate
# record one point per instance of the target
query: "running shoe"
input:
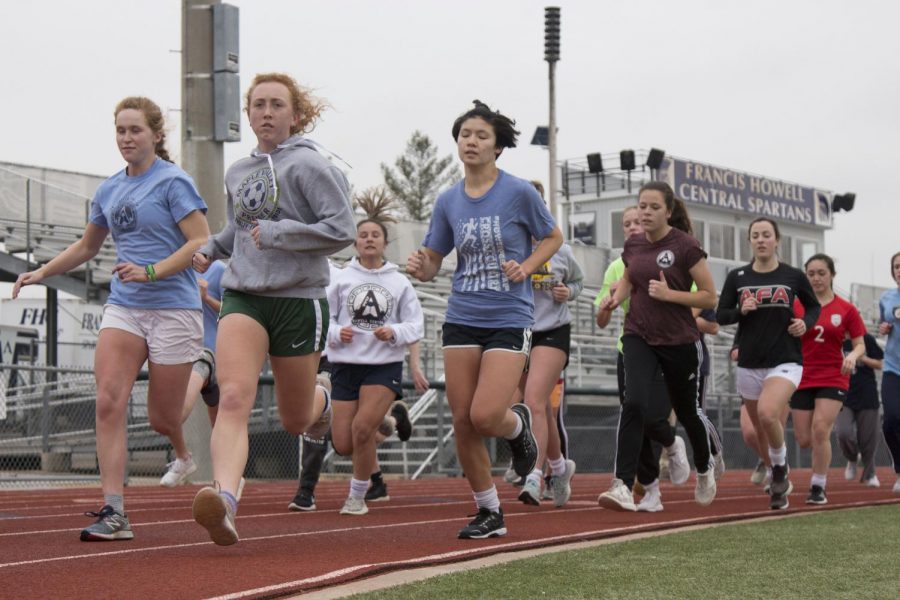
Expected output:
(759, 473)
(547, 494)
(486, 524)
(400, 412)
(872, 482)
(177, 472)
(523, 447)
(304, 501)
(213, 513)
(679, 468)
(510, 476)
(816, 495)
(109, 526)
(719, 464)
(561, 485)
(663, 466)
(779, 488)
(652, 500)
(320, 428)
(850, 471)
(896, 489)
(705, 491)
(354, 506)
(617, 497)
(377, 492)
(531, 492)
(388, 426)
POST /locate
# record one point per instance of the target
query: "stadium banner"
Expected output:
(755, 195)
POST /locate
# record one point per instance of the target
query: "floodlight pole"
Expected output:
(551, 55)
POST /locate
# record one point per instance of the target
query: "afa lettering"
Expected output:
(768, 295)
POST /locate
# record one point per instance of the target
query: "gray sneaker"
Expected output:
(561, 486)
(354, 506)
(213, 513)
(110, 526)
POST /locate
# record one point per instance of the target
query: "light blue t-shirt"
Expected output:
(890, 312)
(213, 277)
(486, 232)
(142, 213)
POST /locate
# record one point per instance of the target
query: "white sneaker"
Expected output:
(759, 474)
(652, 500)
(705, 492)
(355, 506)
(178, 471)
(679, 468)
(719, 465)
(511, 476)
(617, 497)
(872, 482)
(850, 471)
(897, 486)
(388, 426)
(531, 492)
(561, 485)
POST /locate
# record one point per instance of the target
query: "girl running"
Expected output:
(554, 285)
(826, 371)
(153, 313)
(657, 427)
(661, 333)
(759, 297)
(376, 317)
(490, 218)
(889, 306)
(857, 423)
(288, 209)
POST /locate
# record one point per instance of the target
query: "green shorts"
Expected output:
(296, 326)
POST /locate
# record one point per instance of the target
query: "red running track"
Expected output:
(283, 552)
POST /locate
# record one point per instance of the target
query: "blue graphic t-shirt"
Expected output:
(142, 213)
(486, 232)
(213, 277)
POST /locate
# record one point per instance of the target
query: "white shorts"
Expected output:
(174, 335)
(750, 381)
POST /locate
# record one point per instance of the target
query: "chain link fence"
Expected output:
(47, 434)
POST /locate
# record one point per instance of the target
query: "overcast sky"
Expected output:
(802, 90)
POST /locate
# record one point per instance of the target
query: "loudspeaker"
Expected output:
(655, 158)
(595, 163)
(626, 160)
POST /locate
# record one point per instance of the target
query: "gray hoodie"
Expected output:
(301, 204)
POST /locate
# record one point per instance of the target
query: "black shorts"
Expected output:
(346, 379)
(559, 338)
(805, 399)
(510, 339)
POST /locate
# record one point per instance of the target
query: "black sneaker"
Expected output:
(305, 500)
(524, 448)
(816, 495)
(400, 412)
(780, 483)
(486, 524)
(377, 492)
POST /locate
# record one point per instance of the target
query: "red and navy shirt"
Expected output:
(823, 352)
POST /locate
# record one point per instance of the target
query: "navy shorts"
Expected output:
(347, 378)
(510, 339)
(805, 399)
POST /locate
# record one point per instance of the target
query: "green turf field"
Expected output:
(832, 554)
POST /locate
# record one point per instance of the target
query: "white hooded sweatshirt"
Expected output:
(367, 299)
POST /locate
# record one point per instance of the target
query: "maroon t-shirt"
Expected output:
(661, 323)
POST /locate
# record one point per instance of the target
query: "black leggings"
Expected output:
(680, 365)
(656, 427)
